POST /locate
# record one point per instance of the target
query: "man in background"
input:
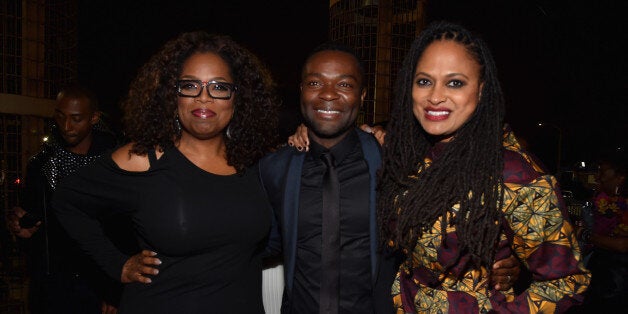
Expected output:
(62, 278)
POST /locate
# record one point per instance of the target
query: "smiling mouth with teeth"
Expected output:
(438, 113)
(328, 111)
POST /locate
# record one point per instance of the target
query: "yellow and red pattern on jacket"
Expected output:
(534, 228)
(610, 215)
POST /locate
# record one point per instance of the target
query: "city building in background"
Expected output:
(38, 55)
(381, 32)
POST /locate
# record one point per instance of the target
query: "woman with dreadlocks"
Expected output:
(457, 191)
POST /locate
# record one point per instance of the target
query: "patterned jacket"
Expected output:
(534, 227)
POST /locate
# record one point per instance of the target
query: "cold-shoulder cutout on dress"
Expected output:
(133, 162)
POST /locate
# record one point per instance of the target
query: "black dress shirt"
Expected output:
(355, 272)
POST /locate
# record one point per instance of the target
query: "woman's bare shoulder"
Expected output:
(129, 161)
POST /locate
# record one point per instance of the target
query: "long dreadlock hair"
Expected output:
(471, 162)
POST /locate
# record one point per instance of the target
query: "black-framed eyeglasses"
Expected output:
(216, 90)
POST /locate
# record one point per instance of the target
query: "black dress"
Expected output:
(209, 232)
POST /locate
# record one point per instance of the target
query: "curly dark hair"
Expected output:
(152, 100)
(471, 162)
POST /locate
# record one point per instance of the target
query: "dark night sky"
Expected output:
(559, 61)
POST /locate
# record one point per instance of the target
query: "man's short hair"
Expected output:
(337, 46)
(76, 90)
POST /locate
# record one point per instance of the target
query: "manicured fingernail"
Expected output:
(299, 148)
(158, 262)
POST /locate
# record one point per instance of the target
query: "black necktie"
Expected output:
(330, 253)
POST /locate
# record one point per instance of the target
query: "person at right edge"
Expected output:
(458, 192)
(607, 238)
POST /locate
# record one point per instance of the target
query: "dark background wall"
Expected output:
(560, 62)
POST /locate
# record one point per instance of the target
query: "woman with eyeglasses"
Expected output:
(199, 115)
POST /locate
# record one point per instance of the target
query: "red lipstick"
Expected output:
(203, 113)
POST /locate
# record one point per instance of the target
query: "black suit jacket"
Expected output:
(280, 174)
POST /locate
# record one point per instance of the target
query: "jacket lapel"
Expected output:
(292, 191)
(371, 151)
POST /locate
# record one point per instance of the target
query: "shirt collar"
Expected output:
(338, 151)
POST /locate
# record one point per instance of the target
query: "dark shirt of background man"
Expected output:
(55, 263)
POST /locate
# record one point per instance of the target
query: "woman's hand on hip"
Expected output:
(138, 266)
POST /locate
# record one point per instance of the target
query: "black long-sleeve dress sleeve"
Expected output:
(86, 199)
